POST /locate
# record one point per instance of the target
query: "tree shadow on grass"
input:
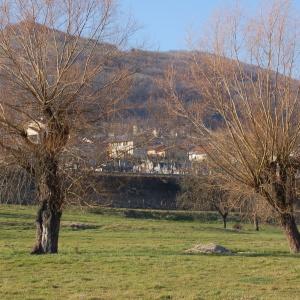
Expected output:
(16, 225)
(274, 254)
(15, 216)
(227, 230)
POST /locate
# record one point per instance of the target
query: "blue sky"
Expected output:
(165, 23)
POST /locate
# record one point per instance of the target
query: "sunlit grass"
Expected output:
(126, 258)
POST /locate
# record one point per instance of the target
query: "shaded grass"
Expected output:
(123, 258)
(172, 215)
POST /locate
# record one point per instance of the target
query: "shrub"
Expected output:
(237, 226)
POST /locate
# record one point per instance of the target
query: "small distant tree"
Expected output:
(54, 62)
(203, 193)
(219, 199)
(253, 208)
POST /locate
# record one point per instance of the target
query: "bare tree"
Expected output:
(247, 75)
(252, 207)
(219, 199)
(202, 192)
(54, 62)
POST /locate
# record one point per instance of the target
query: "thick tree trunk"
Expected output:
(47, 230)
(49, 212)
(289, 226)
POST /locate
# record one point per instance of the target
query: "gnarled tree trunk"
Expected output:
(285, 191)
(49, 212)
(291, 231)
(47, 230)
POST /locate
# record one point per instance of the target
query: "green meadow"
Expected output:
(130, 258)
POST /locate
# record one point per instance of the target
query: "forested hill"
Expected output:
(150, 66)
(147, 66)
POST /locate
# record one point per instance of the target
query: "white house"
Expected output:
(120, 146)
(34, 130)
(157, 151)
(88, 141)
(145, 167)
(197, 154)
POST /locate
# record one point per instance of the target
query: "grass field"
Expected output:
(125, 258)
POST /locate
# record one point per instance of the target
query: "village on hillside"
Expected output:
(127, 153)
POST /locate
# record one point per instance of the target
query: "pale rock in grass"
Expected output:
(210, 248)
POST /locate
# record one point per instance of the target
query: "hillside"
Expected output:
(150, 67)
(147, 66)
